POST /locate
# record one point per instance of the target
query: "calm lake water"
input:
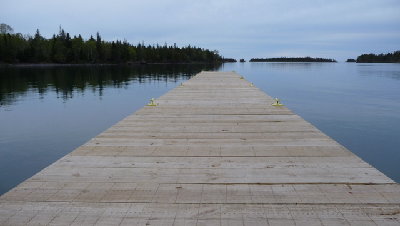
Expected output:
(46, 112)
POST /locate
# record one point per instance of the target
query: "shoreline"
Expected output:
(101, 65)
(2, 65)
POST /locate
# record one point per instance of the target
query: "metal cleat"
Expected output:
(152, 103)
(277, 102)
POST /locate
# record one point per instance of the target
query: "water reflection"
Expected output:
(16, 82)
(355, 104)
(46, 112)
(283, 66)
(380, 70)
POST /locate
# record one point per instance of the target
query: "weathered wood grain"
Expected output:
(212, 152)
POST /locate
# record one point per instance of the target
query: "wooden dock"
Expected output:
(214, 151)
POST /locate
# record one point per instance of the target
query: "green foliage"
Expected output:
(61, 48)
(13, 48)
(380, 58)
(293, 59)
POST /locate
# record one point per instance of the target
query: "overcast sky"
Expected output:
(339, 29)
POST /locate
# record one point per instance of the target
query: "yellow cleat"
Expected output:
(277, 103)
(152, 103)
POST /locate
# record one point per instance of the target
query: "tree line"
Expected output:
(63, 48)
(229, 60)
(292, 59)
(380, 58)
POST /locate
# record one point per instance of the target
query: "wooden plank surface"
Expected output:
(212, 152)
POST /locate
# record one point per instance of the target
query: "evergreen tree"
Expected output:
(61, 48)
(39, 50)
(99, 48)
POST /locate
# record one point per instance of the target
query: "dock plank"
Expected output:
(214, 151)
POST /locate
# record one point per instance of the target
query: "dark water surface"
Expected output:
(46, 112)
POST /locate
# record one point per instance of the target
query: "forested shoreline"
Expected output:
(64, 49)
(61, 48)
(379, 58)
(292, 59)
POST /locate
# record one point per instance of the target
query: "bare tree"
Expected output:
(5, 28)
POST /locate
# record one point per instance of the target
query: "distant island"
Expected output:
(293, 59)
(351, 60)
(62, 48)
(380, 58)
(229, 60)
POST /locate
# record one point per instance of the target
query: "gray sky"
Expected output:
(339, 29)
